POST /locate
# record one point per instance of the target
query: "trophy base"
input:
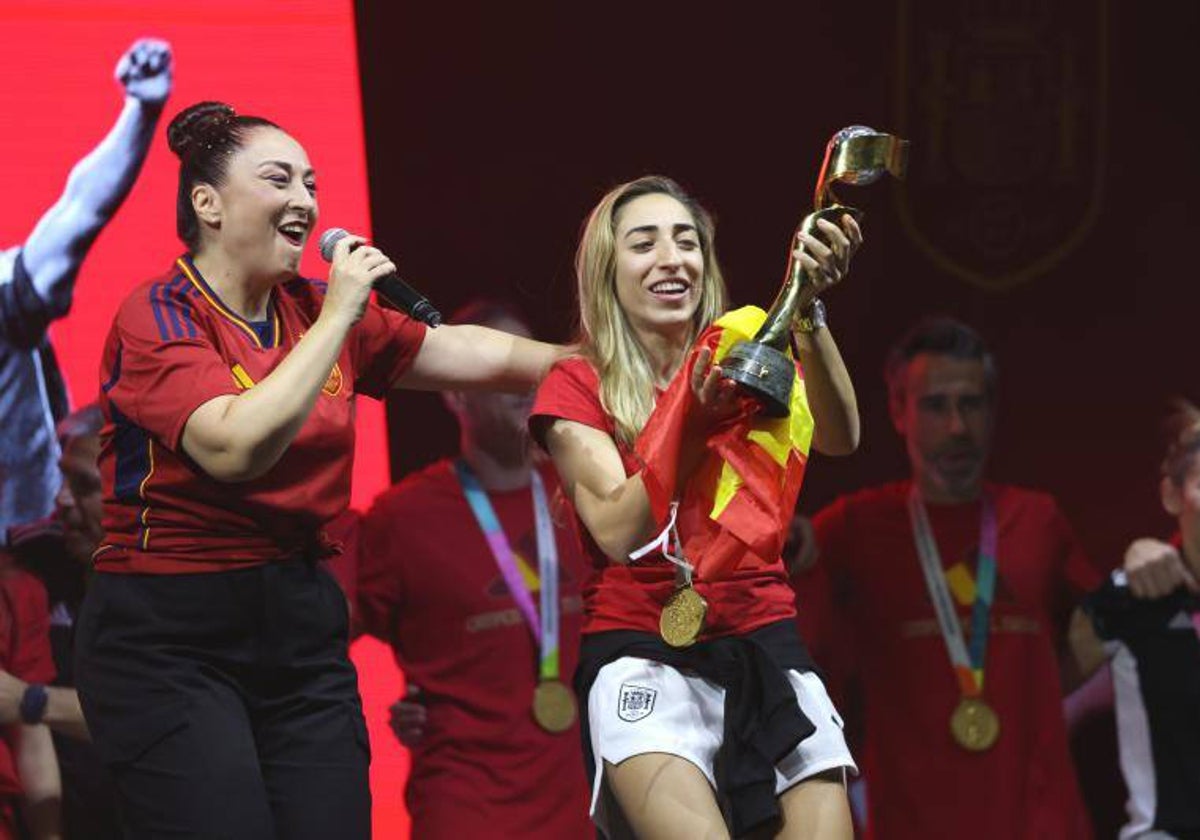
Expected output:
(763, 371)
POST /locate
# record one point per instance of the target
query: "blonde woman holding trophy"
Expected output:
(702, 713)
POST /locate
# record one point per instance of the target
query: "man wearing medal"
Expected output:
(944, 601)
(1151, 639)
(472, 576)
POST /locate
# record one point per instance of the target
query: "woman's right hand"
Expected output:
(1154, 569)
(355, 268)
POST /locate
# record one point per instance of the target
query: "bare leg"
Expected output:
(817, 809)
(665, 797)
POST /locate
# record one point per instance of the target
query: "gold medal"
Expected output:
(553, 706)
(974, 725)
(682, 617)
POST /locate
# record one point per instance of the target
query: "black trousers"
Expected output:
(225, 704)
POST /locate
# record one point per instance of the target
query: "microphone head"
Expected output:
(329, 240)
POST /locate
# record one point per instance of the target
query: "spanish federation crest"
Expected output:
(635, 702)
(1005, 105)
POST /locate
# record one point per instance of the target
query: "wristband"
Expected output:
(33, 703)
(812, 320)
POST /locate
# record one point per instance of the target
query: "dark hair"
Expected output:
(82, 422)
(485, 310)
(940, 336)
(1183, 440)
(204, 137)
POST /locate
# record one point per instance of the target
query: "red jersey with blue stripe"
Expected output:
(24, 653)
(174, 346)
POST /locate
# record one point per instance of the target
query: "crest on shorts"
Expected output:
(1005, 105)
(635, 702)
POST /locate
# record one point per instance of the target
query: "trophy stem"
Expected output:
(762, 365)
(777, 329)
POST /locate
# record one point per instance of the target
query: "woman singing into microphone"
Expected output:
(211, 654)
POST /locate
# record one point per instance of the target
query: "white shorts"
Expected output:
(639, 706)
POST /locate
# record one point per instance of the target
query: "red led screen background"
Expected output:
(294, 63)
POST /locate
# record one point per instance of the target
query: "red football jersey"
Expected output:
(24, 652)
(865, 609)
(429, 586)
(631, 596)
(174, 346)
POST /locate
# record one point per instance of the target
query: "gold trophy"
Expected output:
(856, 155)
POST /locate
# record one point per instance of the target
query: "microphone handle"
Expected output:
(407, 299)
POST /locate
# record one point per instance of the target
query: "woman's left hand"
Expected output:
(716, 396)
(827, 263)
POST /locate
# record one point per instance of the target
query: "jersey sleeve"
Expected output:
(159, 366)
(570, 391)
(24, 316)
(1077, 576)
(385, 345)
(30, 659)
(822, 601)
(831, 530)
(379, 581)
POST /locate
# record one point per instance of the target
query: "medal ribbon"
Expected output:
(544, 627)
(980, 592)
(669, 544)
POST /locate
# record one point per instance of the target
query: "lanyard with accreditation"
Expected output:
(973, 724)
(553, 702)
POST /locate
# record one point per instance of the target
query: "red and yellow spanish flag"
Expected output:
(742, 497)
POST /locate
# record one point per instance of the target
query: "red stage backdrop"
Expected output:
(294, 63)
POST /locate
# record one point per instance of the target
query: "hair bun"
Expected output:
(201, 123)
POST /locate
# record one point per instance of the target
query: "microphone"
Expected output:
(390, 287)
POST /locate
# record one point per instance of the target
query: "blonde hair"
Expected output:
(1183, 441)
(605, 335)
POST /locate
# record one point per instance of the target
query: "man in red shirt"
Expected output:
(940, 603)
(455, 598)
(58, 551)
(29, 780)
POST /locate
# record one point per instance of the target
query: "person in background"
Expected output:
(37, 280)
(58, 550)
(940, 607)
(456, 566)
(1153, 644)
(30, 787)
